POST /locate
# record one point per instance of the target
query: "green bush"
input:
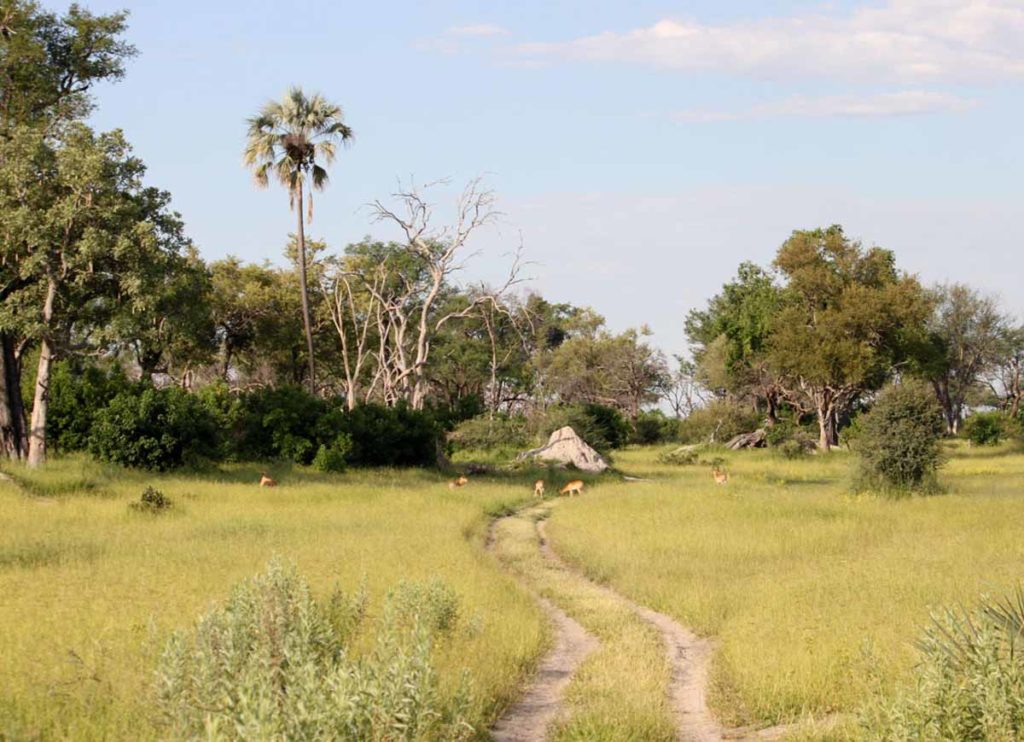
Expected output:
(151, 428)
(276, 424)
(985, 428)
(653, 427)
(682, 456)
(969, 682)
(76, 396)
(485, 434)
(718, 422)
(333, 456)
(152, 501)
(274, 663)
(899, 440)
(603, 428)
(391, 436)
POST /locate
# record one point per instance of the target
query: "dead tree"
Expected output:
(412, 317)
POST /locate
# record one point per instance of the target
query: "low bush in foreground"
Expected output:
(899, 440)
(274, 663)
(970, 681)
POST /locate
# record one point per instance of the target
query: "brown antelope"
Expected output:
(538, 488)
(720, 476)
(266, 481)
(575, 487)
(460, 481)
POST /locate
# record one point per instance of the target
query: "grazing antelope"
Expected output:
(575, 487)
(538, 488)
(461, 481)
(266, 481)
(720, 476)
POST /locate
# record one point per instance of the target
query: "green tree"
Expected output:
(848, 320)
(76, 213)
(966, 333)
(730, 339)
(292, 141)
(48, 65)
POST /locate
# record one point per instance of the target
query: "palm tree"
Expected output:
(293, 140)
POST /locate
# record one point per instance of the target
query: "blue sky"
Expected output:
(641, 149)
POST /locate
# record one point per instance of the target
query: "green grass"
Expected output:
(619, 691)
(814, 595)
(91, 590)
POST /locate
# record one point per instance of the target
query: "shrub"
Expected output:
(718, 422)
(682, 456)
(274, 663)
(653, 427)
(153, 429)
(603, 428)
(985, 428)
(969, 683)
(76, 396)
(484, 434)
(391, 436)
(791, 449)
(152, 501)
(277, 424)
(333, 456)
(899, 439)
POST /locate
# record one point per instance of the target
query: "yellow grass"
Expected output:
(90, 591)
(814, 595)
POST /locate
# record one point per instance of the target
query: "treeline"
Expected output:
(96, 272)
(812, 337)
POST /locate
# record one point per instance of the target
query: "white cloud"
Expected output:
(903, 103)
(899, 41)
(455, 39)
(477, 30)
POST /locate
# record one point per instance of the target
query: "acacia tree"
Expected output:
(967, 333)
(848, 321)
(48, 65)
(292, 141)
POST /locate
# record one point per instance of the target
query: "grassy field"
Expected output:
(814, 595)
(90, 590)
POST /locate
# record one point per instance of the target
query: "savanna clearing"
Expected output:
(813, 596)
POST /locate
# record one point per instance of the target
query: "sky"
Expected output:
(640, 150)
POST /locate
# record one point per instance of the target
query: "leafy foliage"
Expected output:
(153, 429)
(985, 428)
(275, 663)
(718, 422)
(76, 396)
(152, 500)
(970, 681)
(899, 440)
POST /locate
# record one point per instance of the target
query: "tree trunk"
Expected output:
(41, 400)
(828, 428)
(301, 238)
(40, 405)
(12, 413)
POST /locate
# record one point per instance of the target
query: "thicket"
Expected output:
(275, 663)
(138, 425)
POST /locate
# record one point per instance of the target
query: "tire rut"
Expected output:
(541, 704)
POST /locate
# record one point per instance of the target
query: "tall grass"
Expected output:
(91, 590)
(814, 596)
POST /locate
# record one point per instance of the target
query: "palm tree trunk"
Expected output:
(305, 293)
